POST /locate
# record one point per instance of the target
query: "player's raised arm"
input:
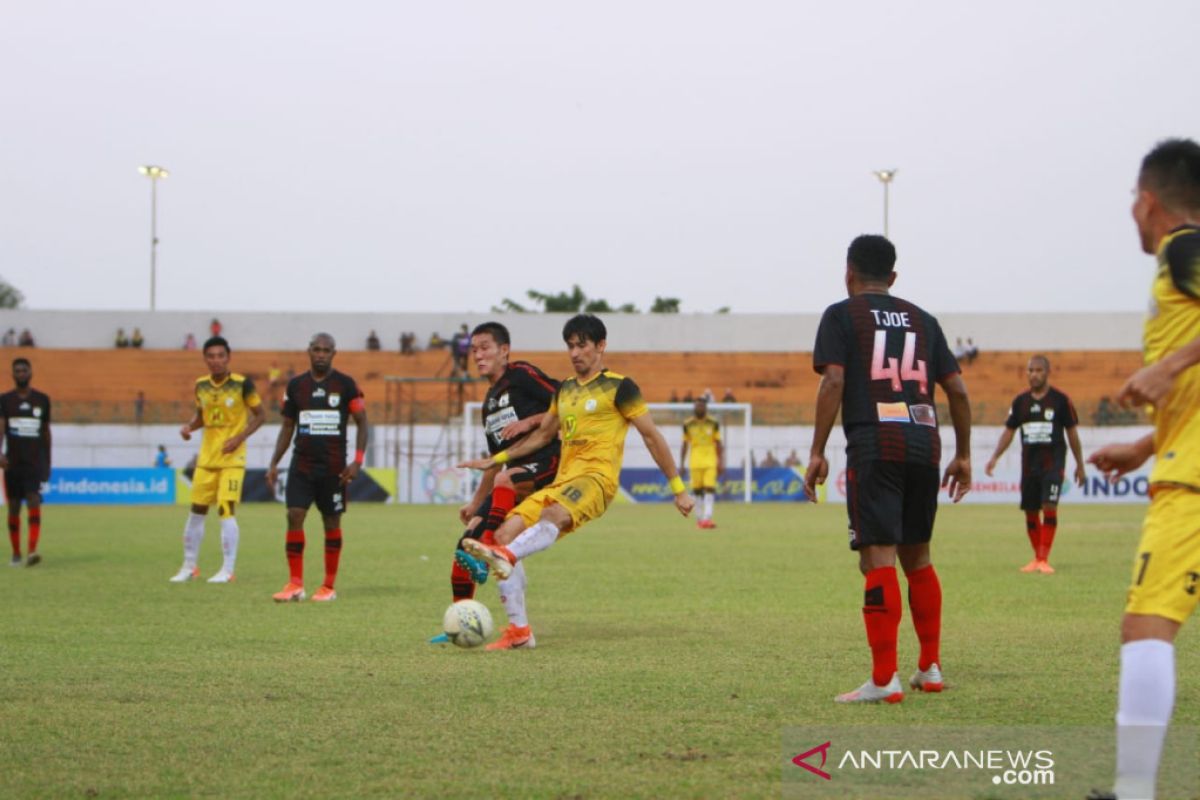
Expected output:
(539, 438)
(829, 400)
(660, 451)
(957, 478)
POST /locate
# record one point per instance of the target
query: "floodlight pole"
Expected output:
(885, 177)
(155, 174)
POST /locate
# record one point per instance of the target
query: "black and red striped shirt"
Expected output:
(893, 354)
(27, 431)
(321, 410)
(1042, 421)
(522, 391)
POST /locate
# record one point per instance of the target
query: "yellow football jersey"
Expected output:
(593, 418)
(222, 406)
(702, 436)
(1174, 321)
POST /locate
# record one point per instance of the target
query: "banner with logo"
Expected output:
(768, 484)
(100, 486)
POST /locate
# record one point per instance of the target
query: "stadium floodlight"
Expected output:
(886, 176)
(155, 174)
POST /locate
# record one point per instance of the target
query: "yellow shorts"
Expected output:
(220, 486)
(703, 478)
(1166, 571)
(584, 499)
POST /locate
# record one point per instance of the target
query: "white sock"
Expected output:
(1144, 703)
(229, 543)
(709, 497)
(534, 540)
(512, 595)
(193, 535)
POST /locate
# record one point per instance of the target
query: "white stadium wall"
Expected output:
(627, 332)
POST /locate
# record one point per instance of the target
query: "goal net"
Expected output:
(735, 420)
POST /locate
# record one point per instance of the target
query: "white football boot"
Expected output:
(870, 693)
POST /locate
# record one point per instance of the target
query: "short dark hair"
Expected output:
(498, 332)
(587, 327)
(216, 341)
(1039, 357)
(21, 360)
(1172, 171)
(872, 256)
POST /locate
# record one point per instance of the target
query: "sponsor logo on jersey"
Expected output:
(335, 400)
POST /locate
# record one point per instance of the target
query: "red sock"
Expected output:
(295, 556)
(1033, 528)
(1049, 528)
(14, 532)
(333, 554)
(881, 613)
(925, 603)
(503, 499)
(460, 583)
(35, 528)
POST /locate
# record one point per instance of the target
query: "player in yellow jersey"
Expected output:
(1165, 586)
(592, 411)
(702, 434)
(229, 410)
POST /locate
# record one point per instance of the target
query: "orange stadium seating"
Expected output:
(100, 385)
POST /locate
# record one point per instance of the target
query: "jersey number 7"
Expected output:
(908, 369)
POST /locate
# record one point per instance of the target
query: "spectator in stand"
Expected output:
(674, 397)
(10, 338)
(161, 459)
(729, 398)
(26, 338)
(139, 407)
(214, 327)
(373, 341)
(708, 396)
(793, 460)
(274, 374)
(461, 348)
(687, 397)
(436, 341)
(189, 343)
(122, 340)
(960, 349)
(769, 460)
(972, 350)
(137, 340)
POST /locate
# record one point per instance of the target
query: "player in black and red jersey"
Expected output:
(317, 408)
(26, 459)
(879, 358)
(1047, 419)
(516, 401)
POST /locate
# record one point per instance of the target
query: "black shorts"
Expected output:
(325, 490)
(20, 482)
(528, 478)
(891, 503)
(1040, 490)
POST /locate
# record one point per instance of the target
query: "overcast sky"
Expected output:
(405, 156)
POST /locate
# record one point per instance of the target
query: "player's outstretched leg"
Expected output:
(881, 613)
(499, 558)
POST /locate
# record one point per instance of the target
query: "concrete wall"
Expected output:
(627, 332)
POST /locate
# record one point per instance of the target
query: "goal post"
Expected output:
(736, 421)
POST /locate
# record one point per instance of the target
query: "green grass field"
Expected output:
(669, 660)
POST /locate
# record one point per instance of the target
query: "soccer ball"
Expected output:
(468, 623)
